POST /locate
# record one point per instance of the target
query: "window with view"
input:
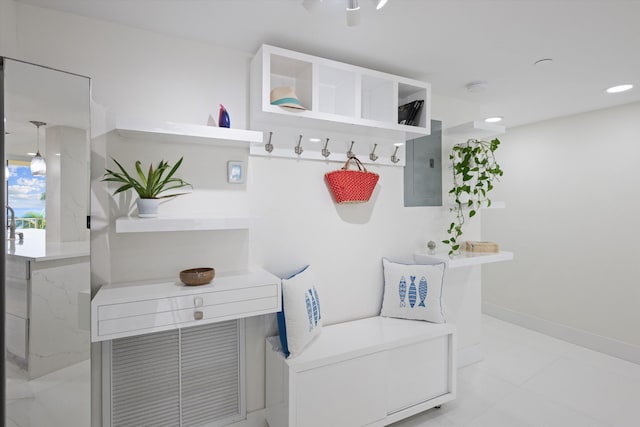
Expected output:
(26, 194)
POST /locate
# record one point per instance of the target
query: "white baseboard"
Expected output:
(468, 355)
(579, 337)
(254, 419)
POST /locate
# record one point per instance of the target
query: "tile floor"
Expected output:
(531, 379)
(58, 399)
(526, 379)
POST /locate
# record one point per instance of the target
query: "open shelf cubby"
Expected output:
(337, 97)
(377, 99)
(337, 91)
(287, 71)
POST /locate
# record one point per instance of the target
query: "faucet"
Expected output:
(12, 224)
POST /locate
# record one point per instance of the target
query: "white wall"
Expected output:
(138, 74)
(570, 185)
(8, 28)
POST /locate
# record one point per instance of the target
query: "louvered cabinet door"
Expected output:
(211, 374)
(183, 378)
(145, 380)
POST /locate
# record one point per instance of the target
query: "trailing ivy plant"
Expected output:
(474, 171)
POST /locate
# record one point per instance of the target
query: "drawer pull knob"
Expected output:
(197, 315)
(197, 301)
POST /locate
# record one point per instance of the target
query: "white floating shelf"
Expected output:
(187, 133)
(148, 225)
(474, 130)
(465, 259)
(129, 309)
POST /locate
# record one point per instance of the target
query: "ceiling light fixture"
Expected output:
(311, 5)
(353, 13)
(543, 61)
(379, 4)
(38, 165)
(494, 119)
(619, 88)
(477, 86)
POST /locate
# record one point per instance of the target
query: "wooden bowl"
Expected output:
(197, 276)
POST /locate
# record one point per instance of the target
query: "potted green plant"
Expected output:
(475, 169)
(148, 186)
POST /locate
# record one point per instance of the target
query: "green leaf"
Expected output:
(472, 213)
(149, 185)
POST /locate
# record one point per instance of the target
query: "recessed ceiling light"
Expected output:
(619, 88)
(31, 154)
(311, 5)
(543, 61)
(495, 119)
(314, 139)
(478, 86)
(399, 144)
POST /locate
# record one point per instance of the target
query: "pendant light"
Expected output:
(38, 165)
(353, 13)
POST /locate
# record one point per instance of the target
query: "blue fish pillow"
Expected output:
(300, 320)
(413, 291)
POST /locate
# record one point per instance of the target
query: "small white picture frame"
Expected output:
(235, 172)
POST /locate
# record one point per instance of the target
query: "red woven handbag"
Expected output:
(351, 186)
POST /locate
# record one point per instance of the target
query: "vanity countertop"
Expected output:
(35, 247)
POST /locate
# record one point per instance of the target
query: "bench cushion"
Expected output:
(413, 291)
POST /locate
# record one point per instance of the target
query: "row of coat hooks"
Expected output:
(297, 149)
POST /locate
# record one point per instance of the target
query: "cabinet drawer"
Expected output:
(17, 268)
(16, 296)
(160, 305)
(418, 372)
(349, 393)
(17, 335)
(178, 318)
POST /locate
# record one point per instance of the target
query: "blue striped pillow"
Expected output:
(300, 320)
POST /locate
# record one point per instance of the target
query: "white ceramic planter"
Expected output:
(148, 208)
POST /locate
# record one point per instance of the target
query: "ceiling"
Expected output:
(594, 44)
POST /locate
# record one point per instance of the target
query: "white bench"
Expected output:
(369, 372)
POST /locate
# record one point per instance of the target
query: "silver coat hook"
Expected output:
(325, 151)
(269, 146)
(350, 152)
(298, 148)
(394, 157)
(373, 155)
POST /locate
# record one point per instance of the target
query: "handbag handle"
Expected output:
(358, 163)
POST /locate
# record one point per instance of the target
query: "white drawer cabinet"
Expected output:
(17, 268)
(369, 372)
(128, 309)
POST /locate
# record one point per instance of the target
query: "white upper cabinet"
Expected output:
(336, 96)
